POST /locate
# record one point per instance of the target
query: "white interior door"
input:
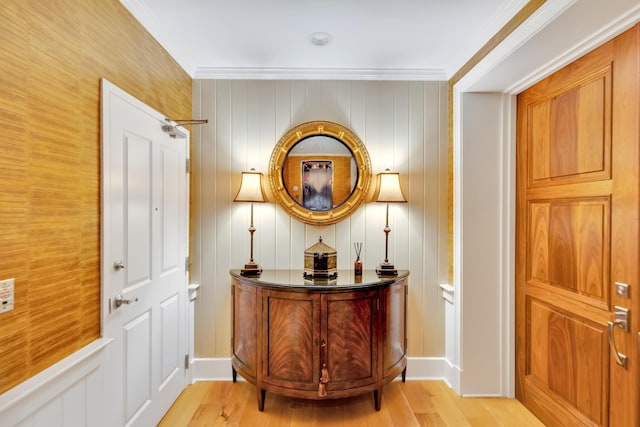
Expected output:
(144, 250)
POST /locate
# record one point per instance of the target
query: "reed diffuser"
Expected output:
(357, 265)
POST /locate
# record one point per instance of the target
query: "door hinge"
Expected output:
(188, 165)
(186, 362)
(186, 264)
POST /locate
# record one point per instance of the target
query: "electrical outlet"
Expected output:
(6, 295)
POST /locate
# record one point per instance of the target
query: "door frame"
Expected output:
(498, 74)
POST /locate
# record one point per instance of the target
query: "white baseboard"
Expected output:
(452, 376)
(418, 368)
(211, 369)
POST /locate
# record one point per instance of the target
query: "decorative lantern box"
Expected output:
(320, 261)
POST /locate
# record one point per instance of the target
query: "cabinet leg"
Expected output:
(404, 375)
(377, 397)
(234, 374)
(261, 395)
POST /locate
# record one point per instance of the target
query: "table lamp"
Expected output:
(251, 191)
(389, 192)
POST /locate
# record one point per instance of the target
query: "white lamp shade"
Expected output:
(250, 188)
(390, 190)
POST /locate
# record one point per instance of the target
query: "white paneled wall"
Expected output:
(69, 393)
(404, 127)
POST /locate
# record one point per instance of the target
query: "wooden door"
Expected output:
(244, 328)
(145, 233)
(578, 188)
(291, 331)
(349, 346)
(394, 304)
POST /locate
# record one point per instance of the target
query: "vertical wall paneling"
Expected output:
(230, 231)
(416, 160)
(402, 126)
(443, 191)
(55, 54)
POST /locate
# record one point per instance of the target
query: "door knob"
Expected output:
(119, 300)
(118, 265)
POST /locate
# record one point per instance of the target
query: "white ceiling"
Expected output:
(372, 39)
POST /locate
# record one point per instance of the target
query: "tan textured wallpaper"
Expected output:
(55, 53)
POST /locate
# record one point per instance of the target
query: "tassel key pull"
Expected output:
(324, 378)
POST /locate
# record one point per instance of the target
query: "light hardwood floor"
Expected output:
(414, 403)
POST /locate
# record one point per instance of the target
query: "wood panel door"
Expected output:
(578, 188)
(349, 343)
(244, 328)
(291, 331)
(394, 304)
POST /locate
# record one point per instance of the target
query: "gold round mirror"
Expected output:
(320, 172)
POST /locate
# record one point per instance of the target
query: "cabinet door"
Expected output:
(394, 313)
(244, 328)
(291, 339)
(349, 330)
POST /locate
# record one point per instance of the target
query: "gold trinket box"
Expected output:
(320, 261)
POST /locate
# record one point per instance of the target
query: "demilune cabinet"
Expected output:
(319, 339)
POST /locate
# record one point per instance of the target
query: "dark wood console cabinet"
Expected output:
(286, 329)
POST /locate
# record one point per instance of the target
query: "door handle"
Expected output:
(118, 265)
(621, 359)
(119, 300)
(621, 321)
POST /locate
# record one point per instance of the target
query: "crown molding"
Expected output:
(421, 74)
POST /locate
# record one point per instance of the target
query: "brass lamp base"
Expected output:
(386, 269)
(251, 269)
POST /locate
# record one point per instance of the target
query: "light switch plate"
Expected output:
(6, 295)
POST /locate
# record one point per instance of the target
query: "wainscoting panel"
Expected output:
(68, 394)
(403, 126)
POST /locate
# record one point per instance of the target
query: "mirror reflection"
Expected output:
(319, 173)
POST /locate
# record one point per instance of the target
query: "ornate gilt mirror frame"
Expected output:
(358, 153)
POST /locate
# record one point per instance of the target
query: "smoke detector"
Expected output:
(320, 38)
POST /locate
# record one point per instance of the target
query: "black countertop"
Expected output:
(295, 279)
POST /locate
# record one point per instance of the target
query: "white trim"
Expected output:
(457, 236)
(606, 33)
(211, 369)
(452, 376)
(418, 368)
(536, 22)
(427, 368)
(508, 245)
(26, 399)
(547, 13)
(402, 74)
(451, 371)
(448, 292)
